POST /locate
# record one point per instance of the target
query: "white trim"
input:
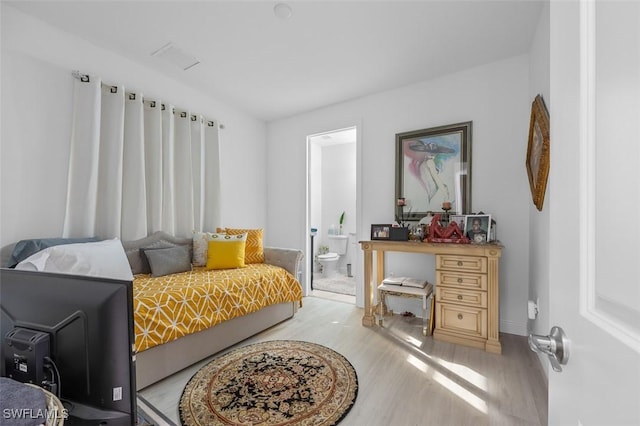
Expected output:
(361, 233)
(587, 120)
(605, 314)
(358, 264)
(513, 327)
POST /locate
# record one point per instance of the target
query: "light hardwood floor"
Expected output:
(405, 378)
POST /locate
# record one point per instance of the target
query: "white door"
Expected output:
(594, 201)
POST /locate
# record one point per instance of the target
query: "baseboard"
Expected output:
(513, 327)
(151, 415)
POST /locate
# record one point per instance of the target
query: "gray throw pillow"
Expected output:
(170, 260)
(145, 268)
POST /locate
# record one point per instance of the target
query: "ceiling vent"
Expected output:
(176, 56)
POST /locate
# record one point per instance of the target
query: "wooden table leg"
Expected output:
(424, 314)
(493, 325)
(368, 319)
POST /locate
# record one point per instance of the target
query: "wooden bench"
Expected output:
(426, 294)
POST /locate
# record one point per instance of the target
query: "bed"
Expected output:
(247, 301)
(183, 313)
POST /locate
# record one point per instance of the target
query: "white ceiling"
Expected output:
(326, 52)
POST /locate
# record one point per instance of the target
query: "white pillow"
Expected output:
(200, 246)
(105, 259)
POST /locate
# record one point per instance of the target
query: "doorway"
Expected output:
(331, 214)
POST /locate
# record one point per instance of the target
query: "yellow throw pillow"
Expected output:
(226, 251)
(254, 251)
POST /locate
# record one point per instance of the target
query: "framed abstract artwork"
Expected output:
(433, 169)
(537, 162)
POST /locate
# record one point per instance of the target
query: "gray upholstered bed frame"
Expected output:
(164, 360)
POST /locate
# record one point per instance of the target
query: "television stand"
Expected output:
(80, 414)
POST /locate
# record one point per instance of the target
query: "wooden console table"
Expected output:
(466, 289)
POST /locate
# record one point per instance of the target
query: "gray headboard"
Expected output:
(289, 259)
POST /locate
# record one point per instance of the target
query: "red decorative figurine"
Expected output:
(445, 234)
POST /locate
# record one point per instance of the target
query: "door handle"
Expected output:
(555, 346)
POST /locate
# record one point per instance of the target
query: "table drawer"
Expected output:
(462, 263)
(466, 297)
(461, 280)
(462, 319)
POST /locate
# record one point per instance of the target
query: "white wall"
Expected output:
(338, 193)
(37, 61)
(338, 188)
(315, 190)
(332, 183)
(539, 220)
(495, 97)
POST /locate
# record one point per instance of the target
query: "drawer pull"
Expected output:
(459, 262)
(459, 297)
(459, 280)
(459, 316)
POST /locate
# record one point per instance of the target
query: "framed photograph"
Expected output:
(477, 228)
(433, 168)
(460, 219)
(381, 232)
(538, 151)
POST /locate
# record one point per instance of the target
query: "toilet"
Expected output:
(329, 261)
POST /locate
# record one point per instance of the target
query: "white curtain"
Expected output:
(137, 166)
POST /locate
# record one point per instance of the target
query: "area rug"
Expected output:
(279, 382)
(340, 284)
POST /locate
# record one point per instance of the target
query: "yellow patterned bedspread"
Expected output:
(169, 307)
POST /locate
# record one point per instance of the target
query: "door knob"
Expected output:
(555, 346)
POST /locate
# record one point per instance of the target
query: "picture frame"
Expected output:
(460, 219)
(478, 228)
(538, 148)
(433, 167)
(381, 231)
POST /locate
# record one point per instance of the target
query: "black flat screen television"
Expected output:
(83, 326)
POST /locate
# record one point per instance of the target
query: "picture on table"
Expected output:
(460, 219)
(477, 228)
(380, 232)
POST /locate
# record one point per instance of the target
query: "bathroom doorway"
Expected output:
(332, 214)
